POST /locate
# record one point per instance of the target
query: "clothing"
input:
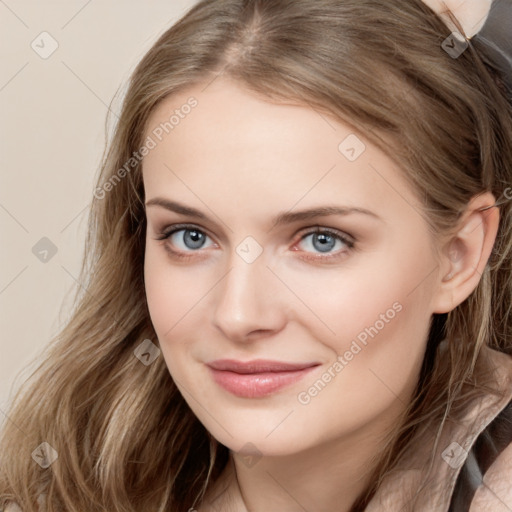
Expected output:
(496, 39)
(462, 479)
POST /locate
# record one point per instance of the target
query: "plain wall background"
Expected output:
(53, 113)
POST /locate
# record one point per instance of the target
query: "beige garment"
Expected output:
(457, 438)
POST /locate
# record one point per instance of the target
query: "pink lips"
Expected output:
(257, 378)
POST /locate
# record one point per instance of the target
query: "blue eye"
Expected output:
(324, 241)
(191, 238)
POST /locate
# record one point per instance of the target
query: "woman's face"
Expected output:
(351, 302)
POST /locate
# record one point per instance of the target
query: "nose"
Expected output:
(249, 302)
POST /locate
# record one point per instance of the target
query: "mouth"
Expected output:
(257, 378)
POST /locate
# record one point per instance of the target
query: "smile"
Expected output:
(257, 379)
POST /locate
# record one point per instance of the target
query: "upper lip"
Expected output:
(257, 366)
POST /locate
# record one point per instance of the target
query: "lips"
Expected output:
(257, 378)
(257, 366)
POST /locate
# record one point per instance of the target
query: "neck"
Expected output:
(328, 476)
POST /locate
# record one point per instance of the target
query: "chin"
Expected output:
(257, 442)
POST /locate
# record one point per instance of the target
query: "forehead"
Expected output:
(227, 115)
(232, 140)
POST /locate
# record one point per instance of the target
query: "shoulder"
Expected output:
(484, 481)
(494, 494)
(494, 453)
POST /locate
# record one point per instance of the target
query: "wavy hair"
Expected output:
(126, 439)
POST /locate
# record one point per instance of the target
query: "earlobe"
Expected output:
(466, 254)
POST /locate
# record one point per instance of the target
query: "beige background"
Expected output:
(53, 113)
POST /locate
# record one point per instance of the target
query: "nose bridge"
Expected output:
(246, 300)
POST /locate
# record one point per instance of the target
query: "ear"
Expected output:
(465, 255)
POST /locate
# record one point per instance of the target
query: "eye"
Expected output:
(188, 239)
(324, 241)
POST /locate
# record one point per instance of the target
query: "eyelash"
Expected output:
(349, 242)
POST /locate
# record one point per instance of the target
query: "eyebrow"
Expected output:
(282, 218)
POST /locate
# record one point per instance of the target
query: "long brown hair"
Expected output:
(125, 438)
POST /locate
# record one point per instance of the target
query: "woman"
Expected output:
(298, 277)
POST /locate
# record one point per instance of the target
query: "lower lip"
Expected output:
(256, 385)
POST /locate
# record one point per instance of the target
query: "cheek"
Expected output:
(391, 288)
(168, 296)
(378, 320)
(167, 291)
(178, 297)
(175, 295)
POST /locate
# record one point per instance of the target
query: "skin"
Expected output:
(241, 160)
